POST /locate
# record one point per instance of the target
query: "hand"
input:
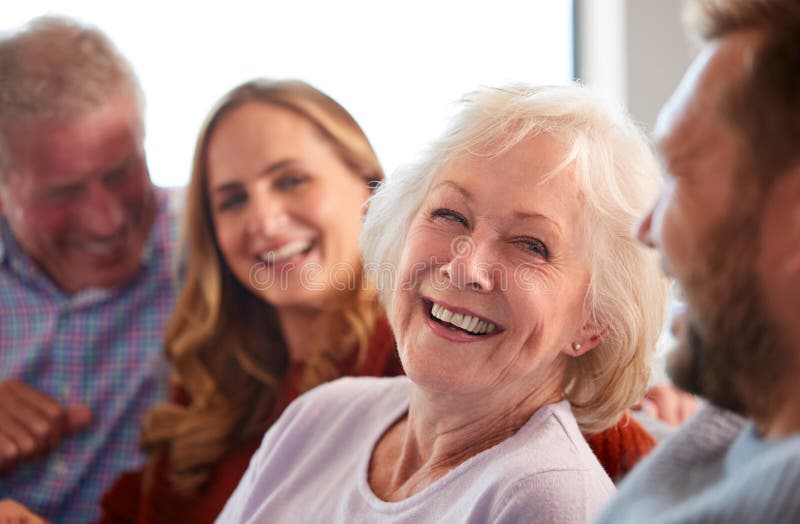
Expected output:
(667, 403)
(12, 512)
(32, 423)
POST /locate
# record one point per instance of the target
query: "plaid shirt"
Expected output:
(102, 348)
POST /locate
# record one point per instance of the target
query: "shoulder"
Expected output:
(163, 245)
(332, 418)
(684, 475)
(354, 393)
(550, 474)
(169, 209)
(703, 441)
(551, 440)
(764, 475)
(170, 201)
(554, 496)
(348, 403)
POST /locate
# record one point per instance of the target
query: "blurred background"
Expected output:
(397, 66)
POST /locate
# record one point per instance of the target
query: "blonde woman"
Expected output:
(273, 304)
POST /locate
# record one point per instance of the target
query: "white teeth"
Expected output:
(466, 322)
(102, 248)
(286, 251)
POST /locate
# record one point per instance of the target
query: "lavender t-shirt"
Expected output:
(313, 463)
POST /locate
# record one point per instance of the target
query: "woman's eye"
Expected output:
(536, 246)
(232, 201)
(290, 181)
(449, 214)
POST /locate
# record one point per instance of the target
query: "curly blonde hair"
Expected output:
(224, 342)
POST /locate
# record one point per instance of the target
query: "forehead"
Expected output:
(528, 178)
(255, 134)
(82, 146)
(262, 127)
(693, 118)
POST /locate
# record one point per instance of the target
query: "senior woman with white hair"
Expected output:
(524, 313)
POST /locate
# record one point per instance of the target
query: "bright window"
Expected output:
(396, 66)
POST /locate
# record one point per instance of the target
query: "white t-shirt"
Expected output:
(313, 463)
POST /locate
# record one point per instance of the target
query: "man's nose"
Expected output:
(104, 213)
(643, 230)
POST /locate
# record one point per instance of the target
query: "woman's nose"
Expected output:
(268, 217)
(471, 265)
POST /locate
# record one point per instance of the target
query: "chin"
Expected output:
(739, 363)
(684, 363)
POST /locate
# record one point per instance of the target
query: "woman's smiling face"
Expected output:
(287, 211)
(494, 274)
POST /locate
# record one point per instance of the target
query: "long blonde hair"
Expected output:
(224, 342)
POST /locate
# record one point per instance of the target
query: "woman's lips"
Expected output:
(457, 324)
(286, 251)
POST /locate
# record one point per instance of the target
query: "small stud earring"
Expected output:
(576, 347)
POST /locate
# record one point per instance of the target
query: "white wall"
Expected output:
(396, 66)
(657, 55)
(632, 51)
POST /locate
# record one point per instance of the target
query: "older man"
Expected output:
(728, 225)
(86, 244)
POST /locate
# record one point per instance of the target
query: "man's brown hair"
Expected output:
(765, 104)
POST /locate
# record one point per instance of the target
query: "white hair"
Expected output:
(617, 175)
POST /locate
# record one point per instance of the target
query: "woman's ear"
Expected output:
(588, 338)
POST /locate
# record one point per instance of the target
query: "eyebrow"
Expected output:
(74, 184)
(267, 171)
(538, 216)
(449, 183)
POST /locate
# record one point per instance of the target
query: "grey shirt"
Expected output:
(715, 469)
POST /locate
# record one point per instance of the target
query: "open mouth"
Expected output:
(104, 252)
(462, 322)
(286, 252)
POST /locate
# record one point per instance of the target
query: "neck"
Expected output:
(785, 422)
(442, 431)
(300, 328)
(447, 433)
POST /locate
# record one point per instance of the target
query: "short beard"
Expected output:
(732, 353)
